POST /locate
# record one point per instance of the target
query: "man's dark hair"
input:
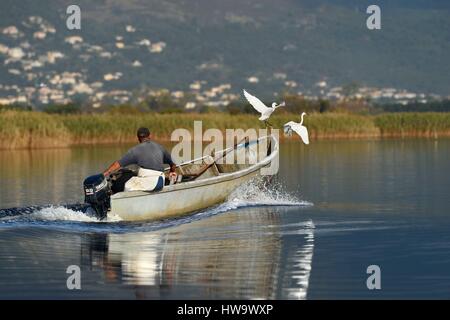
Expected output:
(143, 132)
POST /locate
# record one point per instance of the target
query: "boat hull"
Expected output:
(177, 202)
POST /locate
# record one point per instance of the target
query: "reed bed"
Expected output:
(31, 130)
(27, 129)
(430, 124)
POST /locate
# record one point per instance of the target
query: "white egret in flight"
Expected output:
(261, 107)
(299, 128)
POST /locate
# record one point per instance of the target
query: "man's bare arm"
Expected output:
(115, 166)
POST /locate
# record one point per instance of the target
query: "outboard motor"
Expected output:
(97, 193)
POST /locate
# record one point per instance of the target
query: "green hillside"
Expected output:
(229, 41)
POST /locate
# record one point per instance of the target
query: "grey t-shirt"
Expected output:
(147, 155)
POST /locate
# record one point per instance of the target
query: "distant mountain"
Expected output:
(263, 45)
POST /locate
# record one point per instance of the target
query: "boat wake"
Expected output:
(75, 217)
(74, 213)
(259, 193)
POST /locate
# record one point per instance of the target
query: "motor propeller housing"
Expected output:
(97, 193)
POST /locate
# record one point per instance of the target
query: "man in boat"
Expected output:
(150, 157)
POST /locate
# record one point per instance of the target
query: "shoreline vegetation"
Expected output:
(33, 130)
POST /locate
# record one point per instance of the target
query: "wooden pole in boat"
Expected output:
(203, 170)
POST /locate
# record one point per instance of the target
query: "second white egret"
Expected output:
(299, 128)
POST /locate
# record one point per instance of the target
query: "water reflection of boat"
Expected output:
(299, 265)
(226, 256)
(200, 258)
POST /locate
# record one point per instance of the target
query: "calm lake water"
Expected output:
(336, 208)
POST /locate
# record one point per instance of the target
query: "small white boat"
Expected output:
(206, 182)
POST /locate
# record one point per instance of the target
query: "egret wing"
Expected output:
(301, 131)
(256, 103)
(287, 128)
